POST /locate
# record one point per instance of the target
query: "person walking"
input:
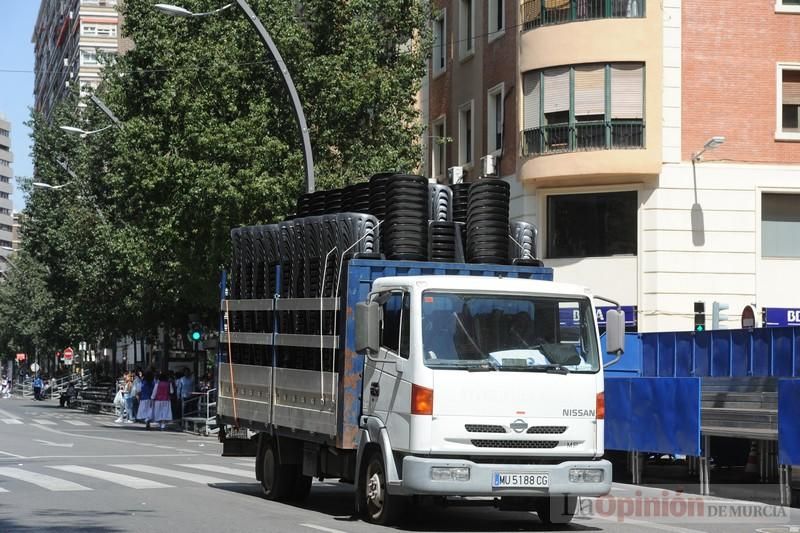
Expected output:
(37, 387)
(161, 396)
(127, 394)
(145, 411)
(185, 386)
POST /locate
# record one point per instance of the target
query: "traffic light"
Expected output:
(716, 314)
(195, 332)
(699, 316)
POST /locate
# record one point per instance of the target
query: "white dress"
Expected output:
(162, 409)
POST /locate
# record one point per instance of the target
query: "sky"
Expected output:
(17, 19)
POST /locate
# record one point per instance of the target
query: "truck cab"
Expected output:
(480, 387)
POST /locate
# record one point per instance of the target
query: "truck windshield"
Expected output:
(508, 333)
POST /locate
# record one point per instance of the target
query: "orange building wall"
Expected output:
(729, 57)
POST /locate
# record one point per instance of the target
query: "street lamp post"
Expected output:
(287, 78)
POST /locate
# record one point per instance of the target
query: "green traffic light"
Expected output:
(699, 328)
(196, 335)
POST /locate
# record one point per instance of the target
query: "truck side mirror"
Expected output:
(368, 321)
(615, 331)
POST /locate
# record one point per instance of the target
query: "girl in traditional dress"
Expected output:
(162, 408)
(145, 411)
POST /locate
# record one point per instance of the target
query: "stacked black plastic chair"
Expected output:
(440, 203)
(355, 198)
(460, 201)
(405, 228)
(488, 222)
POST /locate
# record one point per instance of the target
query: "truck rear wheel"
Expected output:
(276, 479)
(378, 505)
(558, 509)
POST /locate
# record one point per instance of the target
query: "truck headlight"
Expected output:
(585, 475)
(449, 473)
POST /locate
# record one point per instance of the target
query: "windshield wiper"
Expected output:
(550, 369)
(484, 366)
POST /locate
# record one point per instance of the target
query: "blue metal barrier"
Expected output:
(630, 364)
(788, 427)
(722, 353)
(653, 415)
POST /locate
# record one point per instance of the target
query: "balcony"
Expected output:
(584, 137)
(536, 13)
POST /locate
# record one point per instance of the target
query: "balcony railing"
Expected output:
(537, 13)
(584, 137)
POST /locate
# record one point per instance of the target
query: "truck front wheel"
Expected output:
(558, 509)
(277, 479)
(378, 505)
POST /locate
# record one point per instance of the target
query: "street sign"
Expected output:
(35, 367)
(68, 355)
(21, 357)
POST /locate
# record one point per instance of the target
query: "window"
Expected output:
(780, 225)
(440, 43)
(439, 148)
(466, 29)
(591, 225)
(496, 19)
(4, 133)
(789, 101)
(5, 179)
(100, 30)
(88, 56)
(465, 134)
(583, 107)
(396, 323)
(4, 195)
(494, 119)
(7, 244)
(5, 227)
(5, 211)
(787, 6)
(4, 163)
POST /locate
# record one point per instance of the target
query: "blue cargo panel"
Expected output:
(359, 277)
(788, 427)
(659, 415)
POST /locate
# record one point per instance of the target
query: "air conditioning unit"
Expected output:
(489, 166)
(455, 175)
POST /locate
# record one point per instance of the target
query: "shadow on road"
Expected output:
(336, 500)
(67, 521)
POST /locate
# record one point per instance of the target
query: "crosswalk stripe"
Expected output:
(112, 477)
(76, 422)
(222, 470)
(3, 490)
(42, 480)
(45, 422)
(166, 472)
(12, 421)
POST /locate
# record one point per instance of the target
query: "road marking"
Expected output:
(648, 525)
(2, 490)
(323, 528)
(112, 477)
(45, 422)
(60, 445)
(13, 455)
(42, 480)
(76, 422)
(166, 472)
(222, 470)
(11, 421)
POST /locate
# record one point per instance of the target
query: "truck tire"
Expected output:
(276, 478)
(559, 509)
(378, 506)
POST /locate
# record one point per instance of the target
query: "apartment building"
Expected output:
(71, 38)
(655, 145)
(6, 189)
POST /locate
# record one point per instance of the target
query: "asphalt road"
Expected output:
(67, 471)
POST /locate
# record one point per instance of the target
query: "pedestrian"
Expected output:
(145, 411)
(162, 393)
(128, 394)
(185, 386)
(52, 386)
(37, 387)
(68, 396)
(137, 387)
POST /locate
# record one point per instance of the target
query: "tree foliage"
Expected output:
(210, 142)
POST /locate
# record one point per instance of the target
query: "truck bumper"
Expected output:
(417, 478)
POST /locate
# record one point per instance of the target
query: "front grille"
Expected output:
(553, 430)
(487, 443)
(484, 428)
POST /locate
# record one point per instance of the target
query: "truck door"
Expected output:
(387, 393)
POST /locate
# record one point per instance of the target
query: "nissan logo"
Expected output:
(519, 425)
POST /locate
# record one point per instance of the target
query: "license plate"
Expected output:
(520, 479)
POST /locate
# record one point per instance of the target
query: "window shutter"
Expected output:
(530, 100)
(556, 90)
(627, 91)
(791, 87)
(590, 94)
